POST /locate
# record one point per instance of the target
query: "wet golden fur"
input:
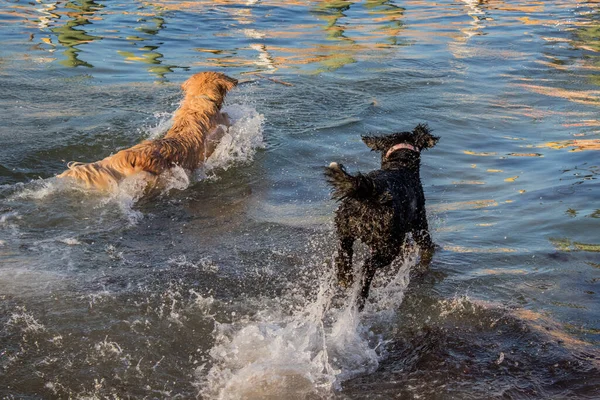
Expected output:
(196, 131)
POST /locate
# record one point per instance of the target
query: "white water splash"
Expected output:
(164, 120)
(205, 264)
(39, 189)
(70, 241)
(129, 191)
(307, 354)
(25, 321)
(107, 349)
(241, 141)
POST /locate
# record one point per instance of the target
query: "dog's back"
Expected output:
(388, 205)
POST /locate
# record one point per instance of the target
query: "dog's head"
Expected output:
(210, 85)
(402, 145)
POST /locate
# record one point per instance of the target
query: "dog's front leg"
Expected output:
(213, 139)
(221, 123)
(370, 269)
(423, 240)
(372, 264)
(343, 262)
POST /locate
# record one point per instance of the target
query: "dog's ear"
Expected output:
(374, 142)
(423, 138)
(227, 83)
(186, 85)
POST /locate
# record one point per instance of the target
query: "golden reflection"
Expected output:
(482, 154)
(584, 63)
(336, 39)
(525, 155)
(583, 35)
(554, 330)
(352, 36)
(528, 8)
(331, 11)
(342, 32)
(460, 46)
(593, 265)
(80, 12)
(588, 36)
(47, 15)
(515, 110)
(588, 97)
(148, 54)
(563, 244)
(582, 123)
(383, 21)
(462, 205)
(575, 145)
(450, 228)
(502, 271)
(486, 250)
(468, 183)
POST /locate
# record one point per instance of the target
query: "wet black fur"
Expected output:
(382, 207)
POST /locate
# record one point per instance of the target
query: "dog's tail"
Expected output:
(107, 173)
(345, 185)
(92, 175)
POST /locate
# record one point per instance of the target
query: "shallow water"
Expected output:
(221, 286)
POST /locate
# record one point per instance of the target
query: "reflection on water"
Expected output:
(101, 297)
(376, 30)
(81, 13)
(148, 52)
(568, 245)
(339, 32)
(575, 145)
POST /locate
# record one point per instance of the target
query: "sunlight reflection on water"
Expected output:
(106, 300)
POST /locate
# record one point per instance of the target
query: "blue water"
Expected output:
(220, 287)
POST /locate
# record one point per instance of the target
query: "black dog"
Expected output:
(382, 207)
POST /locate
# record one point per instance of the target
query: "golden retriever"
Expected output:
(198, 127)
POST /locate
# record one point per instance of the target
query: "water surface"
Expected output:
(220, 287)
